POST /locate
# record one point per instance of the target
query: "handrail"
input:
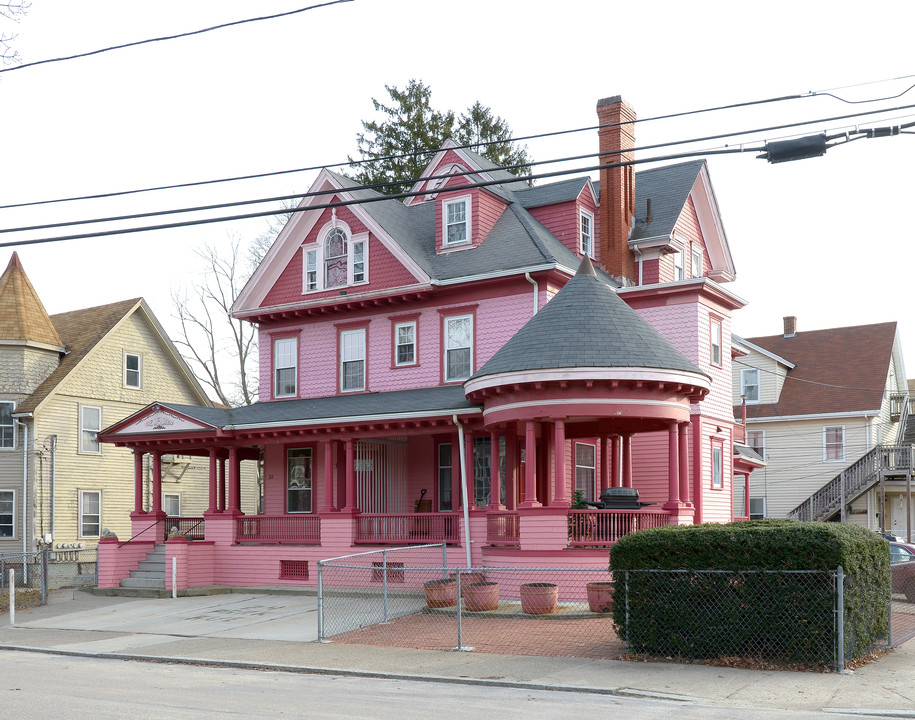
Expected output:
(858, 477)
(120, 545)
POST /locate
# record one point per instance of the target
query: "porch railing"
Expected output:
(605, 527)
(192, 528)
(407, 528)
(299, 529)
(503, 528)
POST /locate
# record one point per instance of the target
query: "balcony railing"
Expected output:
(503, 528)
(407, 528)
(192, 528)
(589, 528)
(299, 529)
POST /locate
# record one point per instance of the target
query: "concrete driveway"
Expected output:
(149, 622)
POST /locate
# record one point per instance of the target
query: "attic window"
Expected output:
(587, 233)
(456, 221)
(339, 260)
(131, 370)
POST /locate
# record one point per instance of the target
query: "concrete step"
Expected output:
(152, 565)
(148, 574)
(133, 582)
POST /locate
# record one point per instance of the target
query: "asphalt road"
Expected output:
(48, 686)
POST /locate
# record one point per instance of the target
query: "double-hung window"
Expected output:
(715, 349)
(298, 480)
(405, 343)
(587, 233)
(456, 217)
(749, 384)
(90, 423)
(352, 360)
(756, 439)
(7, 426)
(285, 363)
(171, 504)
(834, 443)
(132, 364)
(90, 513)
(697, 261)
(7, 513)
(717, 465)
(584, 470)
(458, 347)
(678, 265)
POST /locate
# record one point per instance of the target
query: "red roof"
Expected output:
(837, 370)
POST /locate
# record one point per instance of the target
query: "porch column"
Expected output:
(684, 463)
(221, 499)
(511, 476)
(350, 446)
(495, 494)
(615, 461)
(604, 463)
(457, 501)
(214, 482)
(627, 460)
(328, 477)
(234, 505)
(673, 465)
(138, 481)
(530, 466)
(157, 483)
(559, 460)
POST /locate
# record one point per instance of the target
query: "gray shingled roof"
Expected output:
(431, 401)
(586, 324)
(517, 240)
(668, 187)
(557, 192)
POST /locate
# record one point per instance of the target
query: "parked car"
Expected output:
(902, 569)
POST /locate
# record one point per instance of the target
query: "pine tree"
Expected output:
(414, 129)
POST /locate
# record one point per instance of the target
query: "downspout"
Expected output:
(53, 480)
(536, 291)
(635, 249)
(25, 484)
(465, 500)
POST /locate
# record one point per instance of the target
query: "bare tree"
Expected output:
(13, 10)
(222, 350)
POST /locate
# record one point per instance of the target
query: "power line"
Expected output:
(409, 181)
(477, 145)
(811, 382)
(172, 37)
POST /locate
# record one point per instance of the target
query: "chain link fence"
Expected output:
(50, 570)
(902, 603)
(410, 598)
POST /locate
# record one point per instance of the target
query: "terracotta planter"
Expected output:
(469, 579)
(539, 598)
(441, 593)
(480, 596)
(600, 596)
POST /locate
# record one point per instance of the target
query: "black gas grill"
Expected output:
(619, 498)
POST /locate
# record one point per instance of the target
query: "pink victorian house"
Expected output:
(482, 345)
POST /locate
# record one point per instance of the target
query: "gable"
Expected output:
(383, 269)
(156, 419)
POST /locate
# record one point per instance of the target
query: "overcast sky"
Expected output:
(827, 239)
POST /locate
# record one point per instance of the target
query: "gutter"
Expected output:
(533, 282)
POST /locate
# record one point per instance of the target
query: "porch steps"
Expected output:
(150, 573)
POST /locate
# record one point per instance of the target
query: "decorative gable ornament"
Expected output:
(160, 421)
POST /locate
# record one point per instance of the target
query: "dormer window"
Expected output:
(587, 233)
(338, 260)
(456, 219)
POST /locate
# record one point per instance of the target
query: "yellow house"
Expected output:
(827, 409)
(62, 379)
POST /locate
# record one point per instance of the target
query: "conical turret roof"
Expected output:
(585, 325)
(22, 316)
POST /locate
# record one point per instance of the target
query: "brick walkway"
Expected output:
(554, 637)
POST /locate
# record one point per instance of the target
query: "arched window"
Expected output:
(335, 254)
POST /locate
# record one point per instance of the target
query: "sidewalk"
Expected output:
(259, 629)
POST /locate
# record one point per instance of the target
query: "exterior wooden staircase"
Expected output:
(859, 477)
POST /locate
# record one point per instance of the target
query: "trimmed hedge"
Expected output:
(749, 612)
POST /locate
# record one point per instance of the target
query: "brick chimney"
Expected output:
(790, 325)
(617, 186)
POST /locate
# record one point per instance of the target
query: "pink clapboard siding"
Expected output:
(497, 318)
